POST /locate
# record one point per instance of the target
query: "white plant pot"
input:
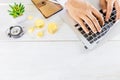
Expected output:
(20, 19)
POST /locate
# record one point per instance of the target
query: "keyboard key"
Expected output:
(91, 42)
(94, 35)
(102, 34)
(101, 11)
(114, 8)
(85, 35)
(104, 14)
(97, 33)
(95, 39)
(82, 32)
(80, 29)
(76, 25)
(99, 36)
(90, 38)
(110, 20)
(113, 17)
(104, 29)
(114, 21)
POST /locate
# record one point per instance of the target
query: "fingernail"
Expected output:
(104, 11)
(106, 19)
(87, 32)
(95, 31)
(100, 30)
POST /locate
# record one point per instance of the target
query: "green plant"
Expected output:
(16, 10)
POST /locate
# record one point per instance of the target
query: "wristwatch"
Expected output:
(15, 32)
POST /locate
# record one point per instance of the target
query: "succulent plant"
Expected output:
(16, 10)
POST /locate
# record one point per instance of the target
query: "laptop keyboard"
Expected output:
(92, 37)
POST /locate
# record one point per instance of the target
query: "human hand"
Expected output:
(82, 11)
(107, 6)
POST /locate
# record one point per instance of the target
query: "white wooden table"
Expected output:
(55, 57)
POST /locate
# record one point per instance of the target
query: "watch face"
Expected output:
(15, 32)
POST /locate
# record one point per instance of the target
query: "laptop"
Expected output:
(92, 40)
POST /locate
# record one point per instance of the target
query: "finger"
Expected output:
(98, 15)
(117, 7)
(81, 23)
(66, 5)
(95, 22)
(90, 24)
(109, 9)
(103, 5)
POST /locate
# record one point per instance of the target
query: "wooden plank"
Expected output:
(57, 60)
